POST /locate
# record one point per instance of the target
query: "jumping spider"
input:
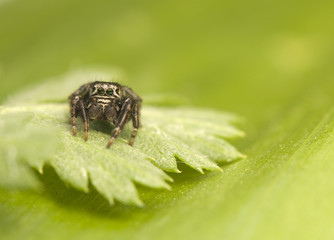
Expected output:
(105, 101)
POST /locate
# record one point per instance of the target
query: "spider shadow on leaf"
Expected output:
(189, 174)
(183, 183)
(101, 126)
(92, 202)
(107, 128)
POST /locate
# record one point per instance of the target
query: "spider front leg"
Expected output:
(77, 105)
(122, 120)
(135, 122)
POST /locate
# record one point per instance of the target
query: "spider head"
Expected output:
(106, 90)
(105, 98)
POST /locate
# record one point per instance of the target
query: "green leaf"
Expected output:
(38, 133)
(270, 62)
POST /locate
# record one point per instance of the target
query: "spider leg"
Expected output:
(75, 103)
(135, 122)
(84, 119)
(134, 113)
(122, 120)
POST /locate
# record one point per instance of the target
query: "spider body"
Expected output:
(108, 101)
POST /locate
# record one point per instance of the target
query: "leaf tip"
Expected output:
(86, 189)
(242, 134)
(168, 187)
(168, 178)
(111, 202)
(138, 203)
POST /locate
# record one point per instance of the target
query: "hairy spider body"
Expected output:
(108, 101)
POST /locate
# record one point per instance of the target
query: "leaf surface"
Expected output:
(38, 133)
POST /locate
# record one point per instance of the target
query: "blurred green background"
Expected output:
(233, 55)
(255, 58)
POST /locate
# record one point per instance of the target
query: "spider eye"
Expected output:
(110, 91)
(100, 91)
